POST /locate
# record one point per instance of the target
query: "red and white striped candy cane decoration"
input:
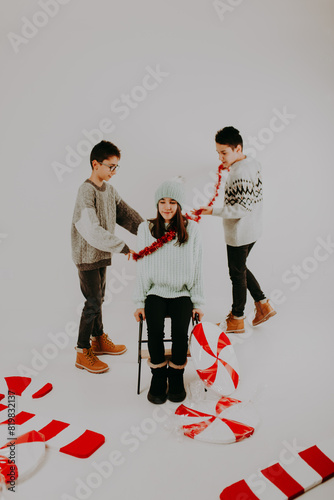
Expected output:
(70, 439)
(311, 467)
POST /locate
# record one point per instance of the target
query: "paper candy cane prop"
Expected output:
(285, 482)
(214, 358)
(227, 421)
(61, 436)
(26, 387)
(76, 441)
(20, 457)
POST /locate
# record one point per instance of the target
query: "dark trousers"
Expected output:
(242, 279)
(93, 285)
(180, 312)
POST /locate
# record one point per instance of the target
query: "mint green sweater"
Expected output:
(171, 271)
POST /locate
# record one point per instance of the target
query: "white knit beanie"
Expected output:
(171, 189)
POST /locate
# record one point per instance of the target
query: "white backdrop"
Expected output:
(234, 63)
(159, 79)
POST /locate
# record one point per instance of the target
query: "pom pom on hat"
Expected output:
(173, 189)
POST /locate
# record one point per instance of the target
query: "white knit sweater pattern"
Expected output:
(243, 200)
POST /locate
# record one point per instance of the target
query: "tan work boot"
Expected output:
(234, 325)
(86, 360)
(103, 345)
(263, 311)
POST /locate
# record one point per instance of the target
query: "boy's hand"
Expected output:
(129, 254)
(138, 313)
(196, 211)
(206, 210)
(199, 312)
(202, 211)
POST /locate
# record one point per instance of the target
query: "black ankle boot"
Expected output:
(158, 389)
(176, 391)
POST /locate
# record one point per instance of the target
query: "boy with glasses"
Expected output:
(97, 210)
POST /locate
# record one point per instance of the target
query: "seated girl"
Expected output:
(169, 283)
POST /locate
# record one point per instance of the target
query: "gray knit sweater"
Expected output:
(97, 211)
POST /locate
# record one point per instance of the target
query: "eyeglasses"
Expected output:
(111, 167)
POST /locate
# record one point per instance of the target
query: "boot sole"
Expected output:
(108, 352)
(156, 400)
(269, 315)
(231, 331)
(177, 398)
(81, 367)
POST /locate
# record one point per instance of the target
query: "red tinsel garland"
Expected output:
(155, 245)
(196, 216)
(198, 213)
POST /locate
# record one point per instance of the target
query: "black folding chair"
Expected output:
(144, 354)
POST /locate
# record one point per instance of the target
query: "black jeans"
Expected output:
(180, 312)
(93, 285)
(242, 278)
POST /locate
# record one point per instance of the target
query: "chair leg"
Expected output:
(139, 373)
(139, 353)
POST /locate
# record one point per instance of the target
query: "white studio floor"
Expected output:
(286, 368)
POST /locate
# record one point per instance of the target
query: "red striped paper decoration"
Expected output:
(76, 441)
(280, 481)
(29, 453)
(26, 387)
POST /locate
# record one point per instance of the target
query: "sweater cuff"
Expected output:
(198, 305)
(140, 305)
(217, 211)
(125, 249)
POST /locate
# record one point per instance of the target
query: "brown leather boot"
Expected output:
(234, 325)
(86, 360)
(263, 311)
(104, 345)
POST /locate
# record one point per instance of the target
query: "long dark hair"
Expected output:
(178, 224)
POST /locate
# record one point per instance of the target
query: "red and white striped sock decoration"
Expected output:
(311, 467)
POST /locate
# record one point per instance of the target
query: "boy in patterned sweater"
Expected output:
(97, 210)
(242, 220)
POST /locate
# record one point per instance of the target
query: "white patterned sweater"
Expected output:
(243, 201)
(172, 270)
